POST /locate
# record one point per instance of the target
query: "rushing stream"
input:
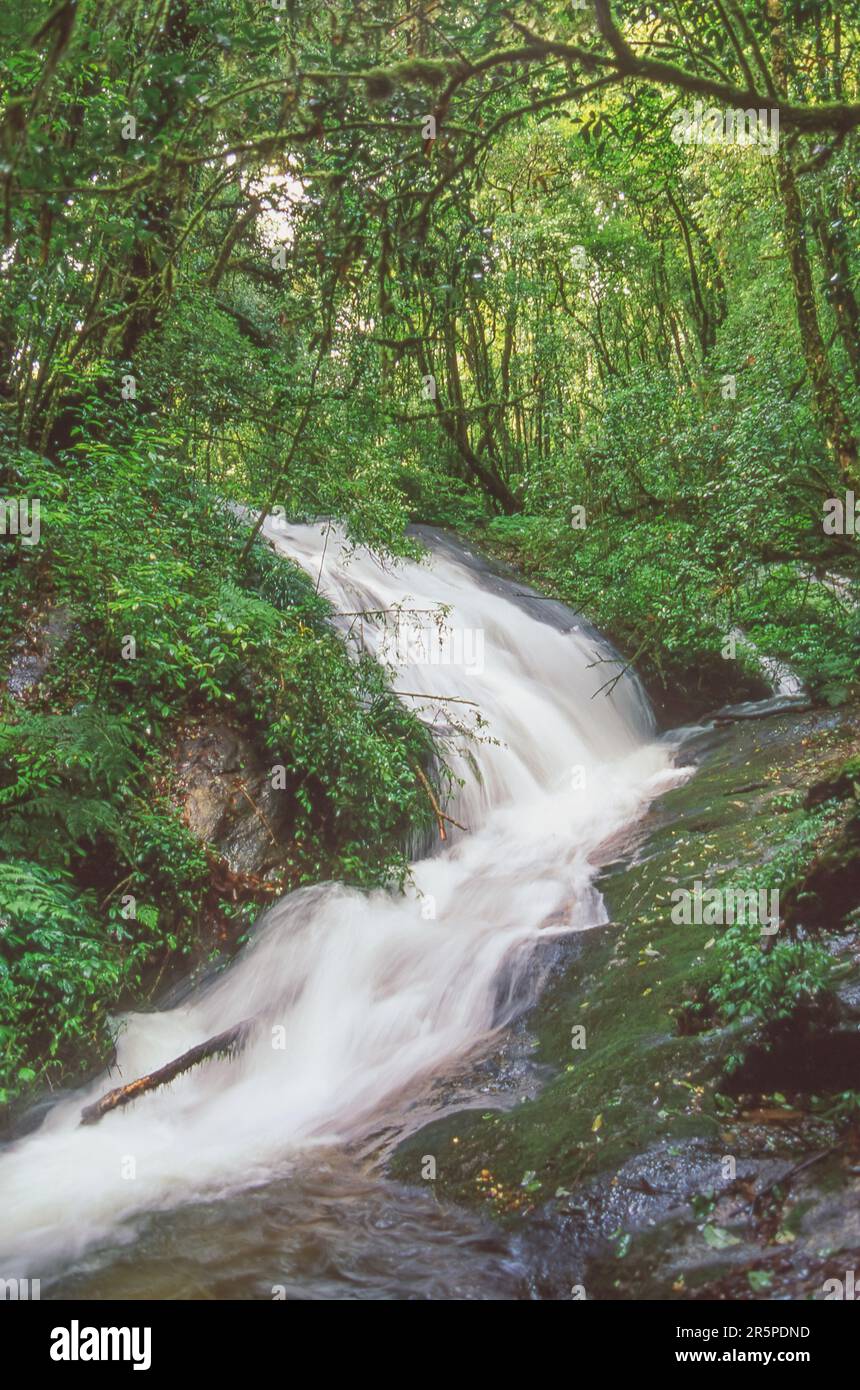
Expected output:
(257, 1172)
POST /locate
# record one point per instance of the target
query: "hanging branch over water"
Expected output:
(225, 1044)
(441, 818)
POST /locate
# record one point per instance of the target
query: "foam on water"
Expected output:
(367, 995)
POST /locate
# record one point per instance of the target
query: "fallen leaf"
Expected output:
(718, 1238)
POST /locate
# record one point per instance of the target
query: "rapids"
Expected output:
(363, 999)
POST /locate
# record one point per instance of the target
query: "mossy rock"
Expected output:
(643, 1109)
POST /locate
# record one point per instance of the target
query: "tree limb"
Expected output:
(222, 1045)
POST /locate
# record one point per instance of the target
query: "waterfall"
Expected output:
(783, 681)
(361, 999)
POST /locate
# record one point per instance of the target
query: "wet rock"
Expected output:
(831, 887)
(633, 1172)
(762, 709)
(225, 789)
(845, 781)
(46, 636)
(815, 1051)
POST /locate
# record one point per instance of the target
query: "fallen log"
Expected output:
(222, 1045)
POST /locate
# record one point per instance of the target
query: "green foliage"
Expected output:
(766, 985)
(61, 782)
(693, 543)
(770, 979)
(283, 264)
(794, 615)
(133, 547)
(62, 968)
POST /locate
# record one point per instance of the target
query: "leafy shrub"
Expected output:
(135, 547)
(61, 969)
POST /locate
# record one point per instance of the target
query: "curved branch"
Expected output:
(832, 115)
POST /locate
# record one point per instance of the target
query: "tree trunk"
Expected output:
(828, 404)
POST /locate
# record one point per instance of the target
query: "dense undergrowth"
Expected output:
(671, 610)
(100, 881)
(716, 549)
(236, 266)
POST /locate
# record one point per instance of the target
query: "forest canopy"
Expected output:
(584, 274)
(577, 282)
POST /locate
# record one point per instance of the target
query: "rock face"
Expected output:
(41, 643)
(228, 800)
(831, 887)
(222, 781)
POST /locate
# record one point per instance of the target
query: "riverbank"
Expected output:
(700, 627)
(183, 738)
(648, 1165)
(621, 1138)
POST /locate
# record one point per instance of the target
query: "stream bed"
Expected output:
(405, 1120)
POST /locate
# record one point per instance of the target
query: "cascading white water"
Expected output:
(361, 998)
(779, 676)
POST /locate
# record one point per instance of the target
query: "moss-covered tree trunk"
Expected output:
(825, 390)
